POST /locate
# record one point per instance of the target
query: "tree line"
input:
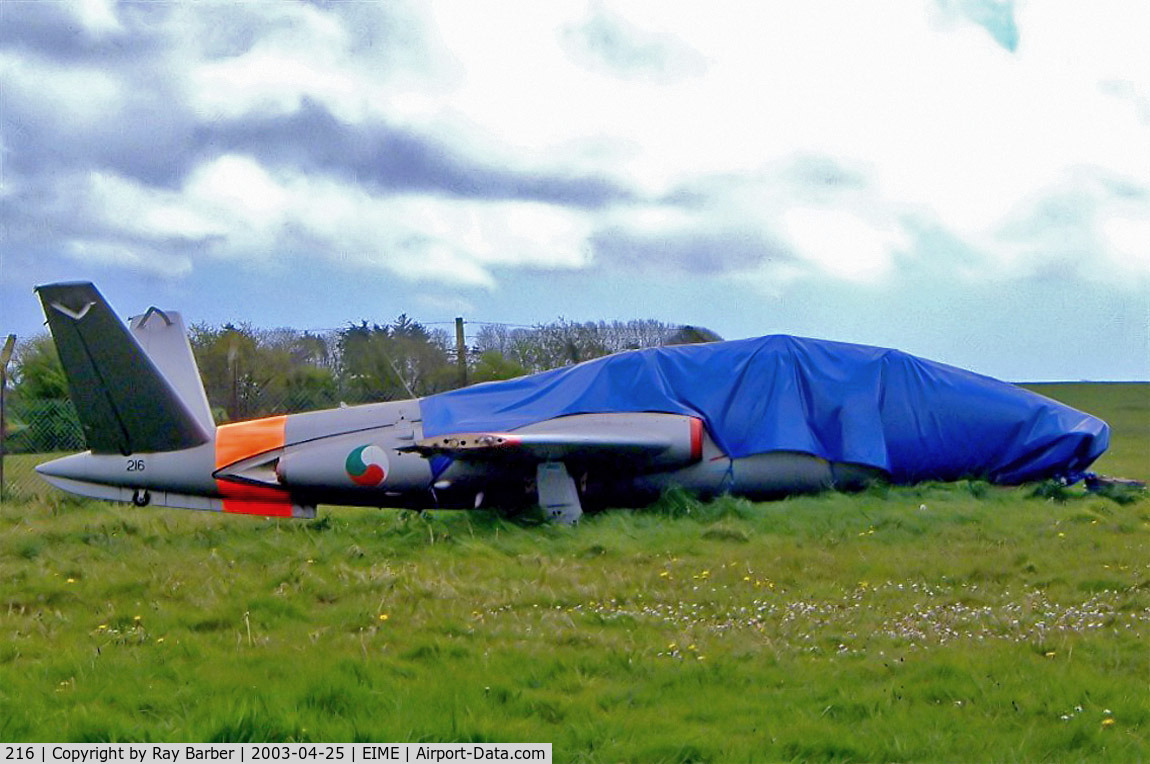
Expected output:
(249, 371)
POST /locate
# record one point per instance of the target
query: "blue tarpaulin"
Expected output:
(913, 418)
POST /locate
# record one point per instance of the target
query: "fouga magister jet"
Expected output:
(761, 418)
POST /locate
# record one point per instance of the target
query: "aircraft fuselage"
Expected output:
(375, 455)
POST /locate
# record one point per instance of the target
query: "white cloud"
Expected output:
(97, 16)
(139, 258)
(502, 233)
(303, 52)
(239, 187)
(112, 203)
(1129, 238)
(239, 210)
(1086, 226)
(842, 244)
(80, 96)
(264, 82)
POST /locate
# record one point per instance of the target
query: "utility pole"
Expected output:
(5, 356)
(461, 351)
(233, 367)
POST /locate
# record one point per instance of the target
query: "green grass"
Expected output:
(934, 622)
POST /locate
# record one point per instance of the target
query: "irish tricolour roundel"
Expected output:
(367, 465)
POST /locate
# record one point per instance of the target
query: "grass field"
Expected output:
(937, 622)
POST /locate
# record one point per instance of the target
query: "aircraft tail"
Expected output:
(129, 400)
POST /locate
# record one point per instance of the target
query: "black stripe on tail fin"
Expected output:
(124, 402)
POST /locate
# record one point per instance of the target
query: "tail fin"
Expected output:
(126, 404)
(162, 335)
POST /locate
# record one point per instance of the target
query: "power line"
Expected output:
(336, 329)
(480, 323)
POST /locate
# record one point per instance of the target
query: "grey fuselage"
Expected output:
(314, 464)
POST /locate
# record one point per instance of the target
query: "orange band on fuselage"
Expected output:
(243, 439)
(235, 442)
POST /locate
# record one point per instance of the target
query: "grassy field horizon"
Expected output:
(949, 622)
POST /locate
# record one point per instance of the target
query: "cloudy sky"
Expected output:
(968, 180)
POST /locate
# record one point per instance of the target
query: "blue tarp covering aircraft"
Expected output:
(912, 418)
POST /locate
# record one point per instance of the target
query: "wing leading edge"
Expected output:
(641, 442)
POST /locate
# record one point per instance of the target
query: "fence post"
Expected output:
(5, 356)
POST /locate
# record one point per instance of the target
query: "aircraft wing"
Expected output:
(537, 446)
(654, 440)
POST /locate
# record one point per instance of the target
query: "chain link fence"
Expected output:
(41, 430)
(36, 432)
